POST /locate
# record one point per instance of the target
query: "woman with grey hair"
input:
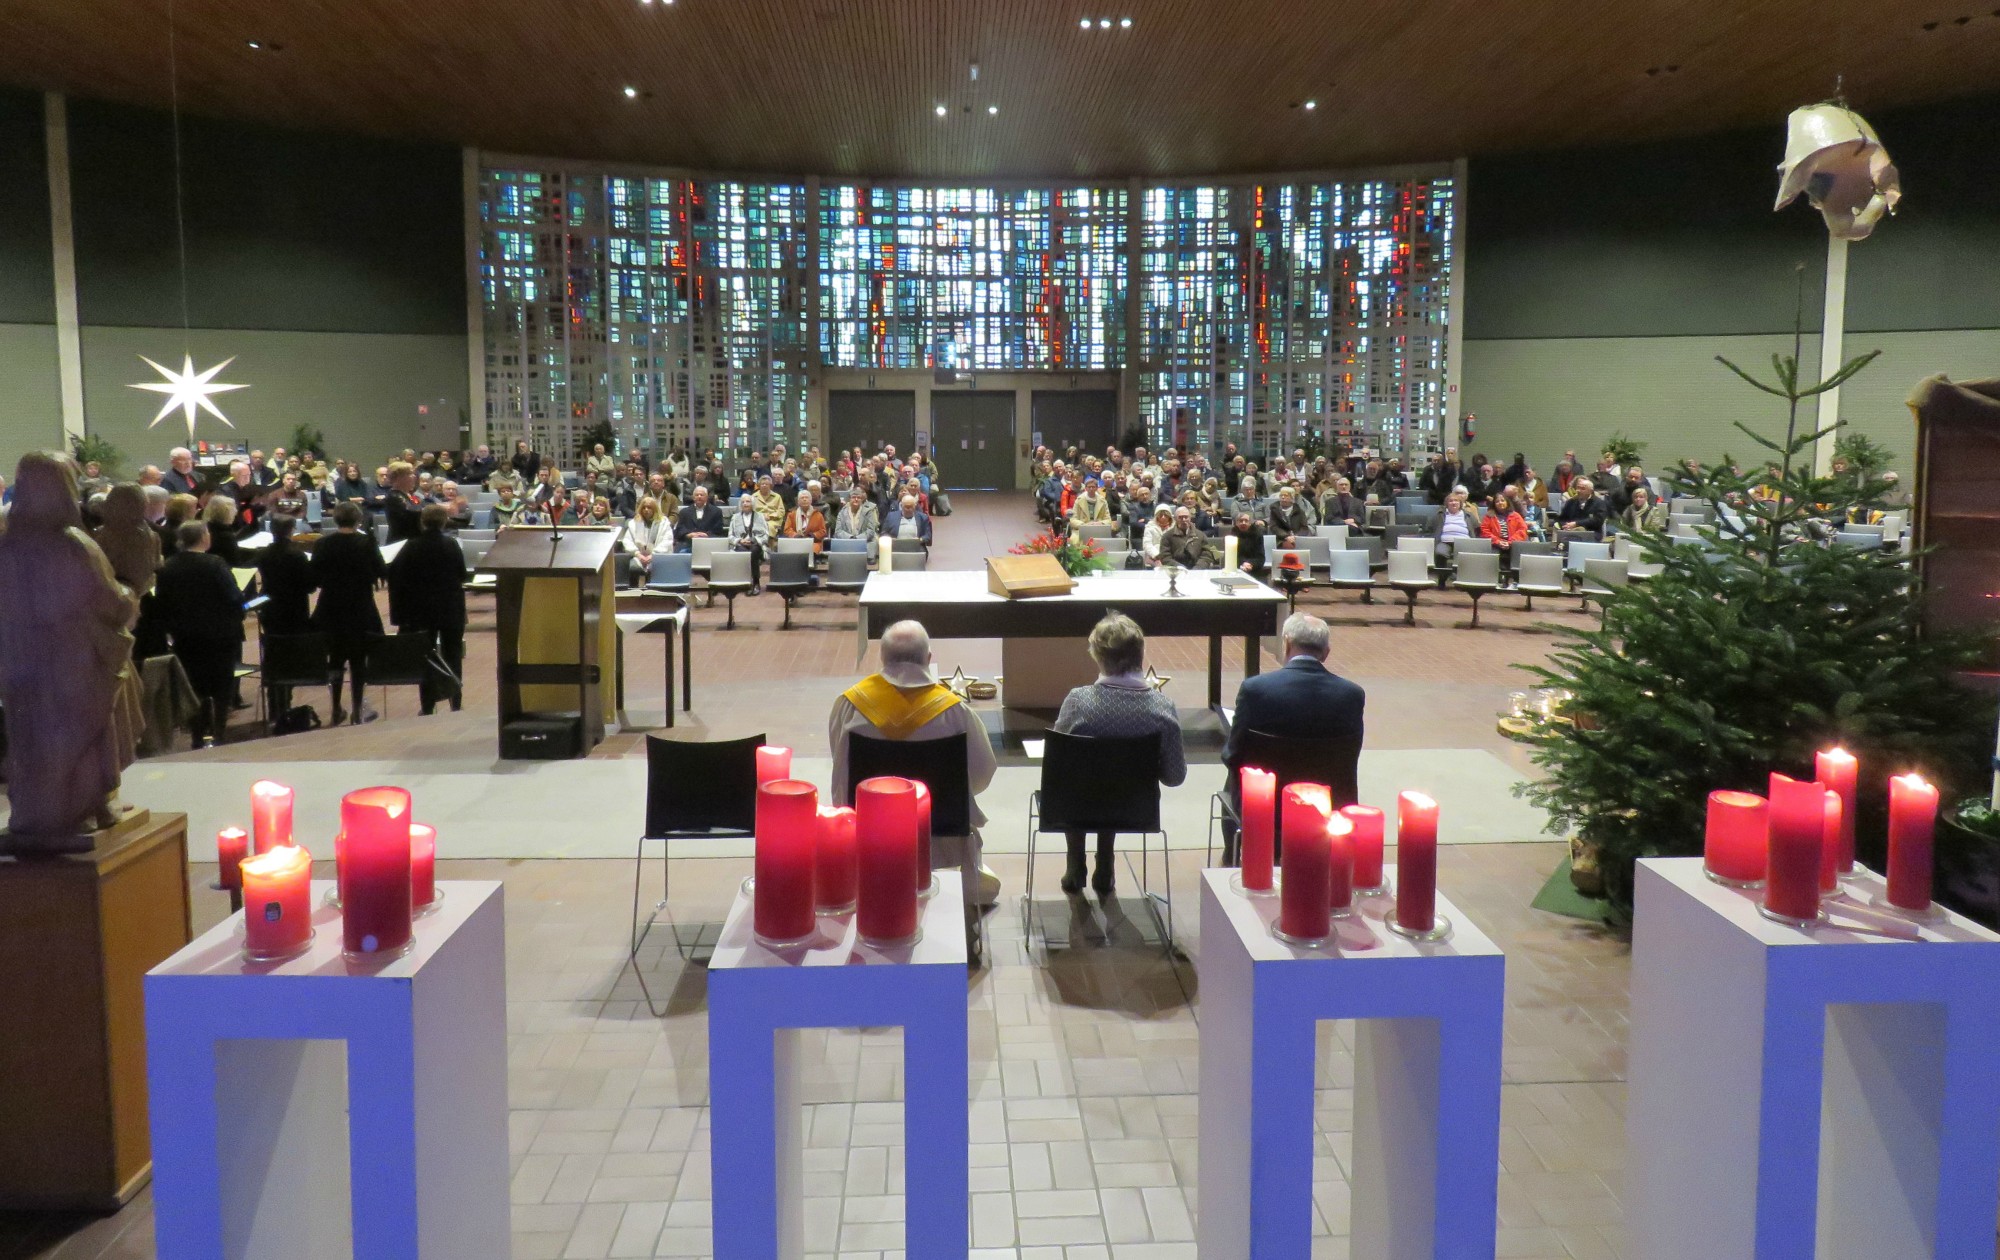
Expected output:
(1119, 705)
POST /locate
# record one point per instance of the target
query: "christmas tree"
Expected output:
(1760, 642)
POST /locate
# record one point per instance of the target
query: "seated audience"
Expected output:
(1583, 512)
(1503, 525)
(1303, 700)
(699, 519)
(906, 701)
(748, 531)
(1151, 542)
(1185, 544)
(908, 521)
(858, 518)
(506, 510)
(1290, 518)
(805, 521)
(1338, 506)
(1250, 554)
(1642, 513)
(647, 534)
(1455, 522)
(1119, 705)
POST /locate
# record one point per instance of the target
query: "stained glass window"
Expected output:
(683, 311)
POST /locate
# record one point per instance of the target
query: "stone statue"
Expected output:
(66, 673)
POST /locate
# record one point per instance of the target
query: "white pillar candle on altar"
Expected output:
(887, 548)
(1229, 560)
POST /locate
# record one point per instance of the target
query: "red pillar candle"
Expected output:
(1259, 797)
(1738, 837)
(787, 834)
(1416, 862)
(1340, 858)
(1303, 905)
(277, 903)
(339, 867)
(885, 827)
(774, 762)
(834, 870)
(270, 815)
(1912, 821)
(375, 859)
(1829, 843)
(1366, 842)
(923, 836)
(423, 865)
(1836, 770)
(1797, 838)
(232, 845)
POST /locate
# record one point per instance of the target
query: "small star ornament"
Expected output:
(188, 389)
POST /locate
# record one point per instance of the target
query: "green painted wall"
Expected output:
(1601, 283)
(361, 388)
(30, 401)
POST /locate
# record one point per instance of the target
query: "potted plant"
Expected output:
(1077, 556)
(1968, 859)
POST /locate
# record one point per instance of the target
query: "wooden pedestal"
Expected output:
(77, 936)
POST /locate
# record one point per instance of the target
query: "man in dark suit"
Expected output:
(346, 566)
(1304, 700)
(907, 514)
(201, 607)
(180, 477)
(699, 519)
(427, 597)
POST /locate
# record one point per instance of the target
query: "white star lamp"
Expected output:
(188, 390)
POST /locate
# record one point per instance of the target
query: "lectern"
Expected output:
(555, 647)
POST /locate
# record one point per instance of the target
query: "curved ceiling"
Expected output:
(852, 87)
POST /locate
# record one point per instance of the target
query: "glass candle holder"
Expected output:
(277, 904)
(1736, 839)
(787, 832)
(885, 826)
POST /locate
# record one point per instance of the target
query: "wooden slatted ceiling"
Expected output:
(848, 87)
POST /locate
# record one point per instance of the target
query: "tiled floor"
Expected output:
(1083, 1065)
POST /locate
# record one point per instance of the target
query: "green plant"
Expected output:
(1977, 815)
(1863, 456)
(1749, 651)
(90, 448)
(1077, 556)
(308, 437)
(599, 434)
(1623, 450)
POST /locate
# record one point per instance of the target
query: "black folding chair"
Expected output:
(287, 661)
(1332, 762)
(1095, 786)
(938, 764)
(398, 660)
(694, 791)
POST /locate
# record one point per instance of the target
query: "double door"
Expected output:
(972, 437)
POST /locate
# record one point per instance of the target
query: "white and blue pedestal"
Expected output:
(759, 998)
(1426, 1163)
(307, 1110)
(1819, 1094)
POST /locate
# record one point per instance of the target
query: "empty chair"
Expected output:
(1855, 528)
(475, 550)
(1372, 546)
(671, 571)
(1468, 546)
(1556, 501)
(1478, 574)
(1096, 529)
(1419, 543)
(287, 661)
(1116, 549)
(1641, 563)
(315, 509)
(790, 576)
(398, 660)
(1601, 580)
(1336, 535)
(694, 791)
(1319, 550)
(1391, 533)
(702, 551)
(1854, 538)
(1581, 552)
(728, 576)
(1410, 572)
(1347, 570)
(787, 546)
(847, 571)
(854, 545)
(1416, 520)
(1521, 550)
(476, 535)
(909, 562)
(1539, 575)
(900, 545)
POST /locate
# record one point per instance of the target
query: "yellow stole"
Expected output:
(897, 711)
